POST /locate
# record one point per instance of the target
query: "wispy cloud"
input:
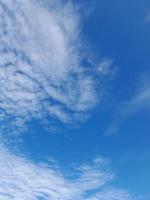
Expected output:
(42, 77)
(105, 66)
(23, 179)
(140, 101)
(41, 72)
(147, 17)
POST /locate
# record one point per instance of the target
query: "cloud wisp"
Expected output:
(41, 72)
(140, 101)
(24, 179)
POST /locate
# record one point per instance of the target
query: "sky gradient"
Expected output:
(74, 100)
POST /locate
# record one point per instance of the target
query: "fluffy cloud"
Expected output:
(41, 72)
(24, 179)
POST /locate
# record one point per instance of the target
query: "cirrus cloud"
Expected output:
(41, 72)
(21, 178)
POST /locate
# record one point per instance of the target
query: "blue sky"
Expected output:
(74, 103)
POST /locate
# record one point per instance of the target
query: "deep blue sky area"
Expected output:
(119, 31)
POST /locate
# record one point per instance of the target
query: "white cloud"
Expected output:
(140, 101)
(112, 194)
(41, 71)
(23, 179)
(105, 66)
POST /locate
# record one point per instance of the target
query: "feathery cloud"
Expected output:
(41, 72)
(138, 102)
(24, 179)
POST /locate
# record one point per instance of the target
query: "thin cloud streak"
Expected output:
(139, 102)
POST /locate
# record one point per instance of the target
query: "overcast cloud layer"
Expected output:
(40, 68)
